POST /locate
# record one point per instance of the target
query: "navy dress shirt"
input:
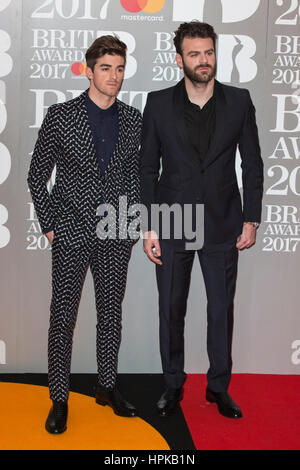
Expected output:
(104, 125)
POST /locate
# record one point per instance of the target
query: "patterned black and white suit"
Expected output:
(65, 140)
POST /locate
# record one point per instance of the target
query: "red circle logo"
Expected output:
(78, 68)
(148, 6)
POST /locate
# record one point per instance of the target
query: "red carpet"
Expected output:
(271, 413)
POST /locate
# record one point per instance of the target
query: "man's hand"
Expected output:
(151, 242)
(50, 236)
(247, 238)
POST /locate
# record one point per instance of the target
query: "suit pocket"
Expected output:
(170, 181)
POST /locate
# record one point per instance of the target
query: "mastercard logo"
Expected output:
(78, 68)
(148, 6)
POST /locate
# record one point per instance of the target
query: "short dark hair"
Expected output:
(194, 29)
(104, 45)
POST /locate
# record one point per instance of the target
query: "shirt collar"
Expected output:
(95, 110)
(195, 106)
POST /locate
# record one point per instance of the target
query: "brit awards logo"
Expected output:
(147, 6)
(235, 58)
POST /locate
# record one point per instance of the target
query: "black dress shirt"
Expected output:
(200, 123)
(104, 125)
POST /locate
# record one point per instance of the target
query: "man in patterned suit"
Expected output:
(94, 141)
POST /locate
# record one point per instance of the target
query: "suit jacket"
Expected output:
(185, 179)
(65, 139)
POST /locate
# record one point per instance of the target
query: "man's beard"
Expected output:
(200, 77)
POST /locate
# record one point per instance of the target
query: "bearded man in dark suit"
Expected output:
(193, 130)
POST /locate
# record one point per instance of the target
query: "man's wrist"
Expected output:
(148, 234)
(254, 224)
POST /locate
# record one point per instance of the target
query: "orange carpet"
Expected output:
(24, 409)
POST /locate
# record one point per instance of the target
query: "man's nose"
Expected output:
(202, 58)
(113, 74)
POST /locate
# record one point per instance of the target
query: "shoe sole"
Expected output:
(102, 403)
(170, 413)
(56, 432)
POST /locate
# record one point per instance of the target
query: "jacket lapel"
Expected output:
(84, 131)
(120, 148)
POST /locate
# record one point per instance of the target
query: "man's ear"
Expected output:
(179, 61)
(89, 73)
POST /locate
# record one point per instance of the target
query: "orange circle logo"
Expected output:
(148, 6)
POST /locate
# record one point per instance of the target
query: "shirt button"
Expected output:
(103, 140)
(102, 160)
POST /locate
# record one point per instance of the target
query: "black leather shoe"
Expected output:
(169, 401)
(227, 407)
(57, 419)
(114, 399)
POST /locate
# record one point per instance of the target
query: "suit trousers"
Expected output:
(108, 261)
(219, 270)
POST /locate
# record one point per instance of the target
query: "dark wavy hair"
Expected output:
(104, 45)
(193, 29)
